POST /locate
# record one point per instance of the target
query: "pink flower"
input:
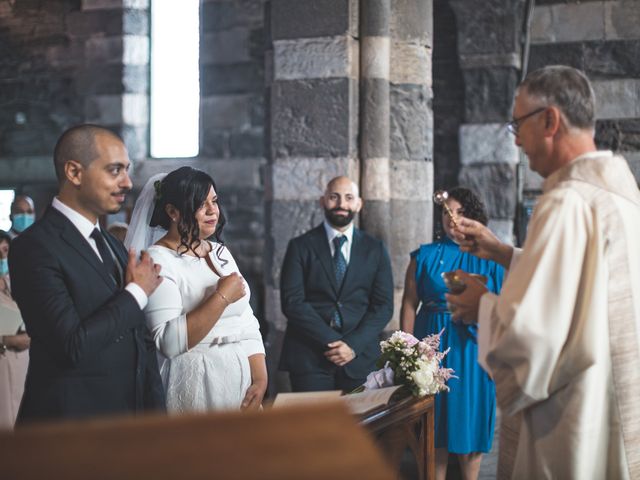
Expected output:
(407, 338)
(380, 378)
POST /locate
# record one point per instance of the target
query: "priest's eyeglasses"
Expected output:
(514, 124)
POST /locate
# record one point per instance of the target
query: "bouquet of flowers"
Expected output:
(414, 363)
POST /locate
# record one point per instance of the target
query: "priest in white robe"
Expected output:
(562, 340)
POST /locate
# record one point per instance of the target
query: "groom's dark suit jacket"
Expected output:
(310, 296)
(89, 354)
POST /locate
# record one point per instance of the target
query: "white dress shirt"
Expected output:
(85, 227)
(346, 246)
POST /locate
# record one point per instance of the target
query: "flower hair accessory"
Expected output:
(157, 186)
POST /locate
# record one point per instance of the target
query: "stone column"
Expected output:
(375, 17)
(313, 117)
(489, 48)
(115, 81)
(411, 136)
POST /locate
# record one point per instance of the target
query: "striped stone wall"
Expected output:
(349, 94)
(603, 39)
(489, 53)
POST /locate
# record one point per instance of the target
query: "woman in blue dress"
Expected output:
(465, 415)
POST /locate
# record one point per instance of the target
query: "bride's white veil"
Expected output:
(140, 234)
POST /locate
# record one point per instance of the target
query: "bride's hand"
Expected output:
(232, 287)
(253, 397)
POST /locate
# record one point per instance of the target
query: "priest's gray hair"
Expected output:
(568, 89)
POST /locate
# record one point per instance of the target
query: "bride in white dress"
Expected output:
(210, 348)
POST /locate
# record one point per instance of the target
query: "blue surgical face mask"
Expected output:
(22, 221)
(4, 266)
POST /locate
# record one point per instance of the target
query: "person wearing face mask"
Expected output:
(22, 215)
(337, 294)
(465, 415)
(14, 349)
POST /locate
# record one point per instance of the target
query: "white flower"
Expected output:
(424, 377)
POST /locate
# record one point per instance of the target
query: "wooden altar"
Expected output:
(311, 442)
(404, 423)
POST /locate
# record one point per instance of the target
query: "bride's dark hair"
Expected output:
(186, 189)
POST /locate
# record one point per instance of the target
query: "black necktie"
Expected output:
(340, 266)
(107, 258)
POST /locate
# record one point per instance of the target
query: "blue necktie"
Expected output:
(340, 266)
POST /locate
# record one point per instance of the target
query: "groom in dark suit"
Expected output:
(81, 296)
(337, 294)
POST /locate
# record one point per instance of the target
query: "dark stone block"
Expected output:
(86, 24)
(257, 43)
(618, 135)
(375, 18)
(135, 78)
(135, 22)
(235, 78)
(496, 185)
(247, 144)
(214, 144)
(493, 28)
(601, 59)
(107, 80)
(257, 111)
(38, 7)
(612, 59)
(312, 118)
(286, 219)
(309, 18)
(446, 157)
(412, 20)
(489, 94)
(229, 14)
(571, 54)
(411, 129)
(557, 2)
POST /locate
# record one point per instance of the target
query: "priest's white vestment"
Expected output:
(562, 341)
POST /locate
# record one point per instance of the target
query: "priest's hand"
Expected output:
(477, 239)
(464, 307)
(339, 353)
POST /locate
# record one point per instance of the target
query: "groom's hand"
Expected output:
(339, 353)
(143, 273)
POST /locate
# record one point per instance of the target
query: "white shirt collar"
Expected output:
(82, 223)
(332, 233)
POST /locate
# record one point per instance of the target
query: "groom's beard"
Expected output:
(339, 220)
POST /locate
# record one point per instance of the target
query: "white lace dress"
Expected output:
(215, 374)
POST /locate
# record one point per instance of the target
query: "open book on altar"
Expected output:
(357, 403)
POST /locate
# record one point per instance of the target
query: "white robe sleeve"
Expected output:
(524, 333)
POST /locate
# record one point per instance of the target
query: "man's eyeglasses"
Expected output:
(514, 124)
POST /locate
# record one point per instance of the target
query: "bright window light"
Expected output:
(175, 79)
(6, 197)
